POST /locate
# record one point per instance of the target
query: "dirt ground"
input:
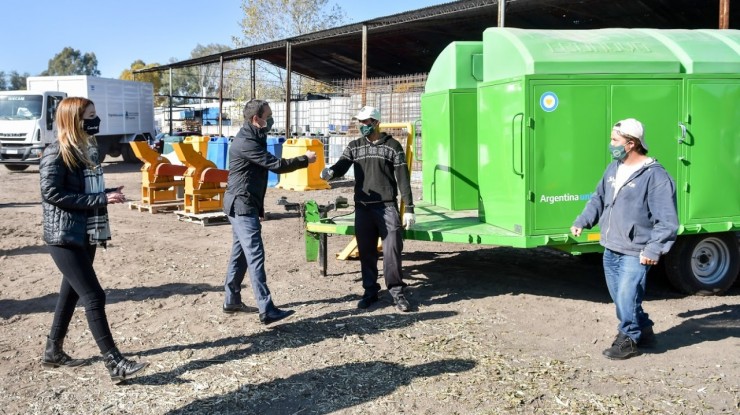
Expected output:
(496, 330)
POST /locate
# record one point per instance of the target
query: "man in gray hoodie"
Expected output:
(635, 207)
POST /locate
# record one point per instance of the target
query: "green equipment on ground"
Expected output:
(516, 126)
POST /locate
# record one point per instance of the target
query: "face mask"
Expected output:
(91, 127)
(268, 125)
(366, 130)
(618, 152)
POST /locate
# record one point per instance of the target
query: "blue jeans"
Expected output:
(247, 254)
(625, 278)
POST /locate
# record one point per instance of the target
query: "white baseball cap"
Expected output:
(368, 112)
(631, 128)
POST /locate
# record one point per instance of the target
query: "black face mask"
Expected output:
(91, 127)
(269, 122)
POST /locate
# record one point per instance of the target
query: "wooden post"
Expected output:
(288, 87)
(724, 14)
(364, 65)
(221, 96)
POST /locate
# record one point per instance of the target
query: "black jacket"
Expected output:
(64, 202)
(380, 171)
(249, 164)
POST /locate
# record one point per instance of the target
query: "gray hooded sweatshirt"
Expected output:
(641, 219)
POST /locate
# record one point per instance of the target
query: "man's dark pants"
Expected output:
(379, 221)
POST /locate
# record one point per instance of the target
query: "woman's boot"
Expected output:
(54, 355)
(119, 367)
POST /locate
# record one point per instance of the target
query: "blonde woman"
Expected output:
(74, 200)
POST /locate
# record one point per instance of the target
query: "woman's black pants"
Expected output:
(80, 282)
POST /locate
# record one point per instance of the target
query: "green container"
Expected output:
(449, 142)
(168, 141)
(549, 99)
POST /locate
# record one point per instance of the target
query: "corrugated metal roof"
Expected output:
(409, 42)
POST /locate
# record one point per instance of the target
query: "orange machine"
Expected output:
(158, 184)
(203, 181)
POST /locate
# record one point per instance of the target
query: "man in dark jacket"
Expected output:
(249, 163)
(635, 207)
(380, 171)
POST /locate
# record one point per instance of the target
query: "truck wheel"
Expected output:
(16, 167)
(128, 154)
(704, 264)
(103, 150)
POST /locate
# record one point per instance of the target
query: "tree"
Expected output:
(72, 62)
(3, 82)
(197, 81)
(269, 20)
(155, 78)
(18, 81)
(208, 75)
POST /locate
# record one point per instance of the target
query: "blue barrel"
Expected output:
(218, 151)
(274, 146)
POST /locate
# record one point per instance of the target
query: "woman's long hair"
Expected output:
(74, 142)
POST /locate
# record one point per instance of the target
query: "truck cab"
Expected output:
(26, 126)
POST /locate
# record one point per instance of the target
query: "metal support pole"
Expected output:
(221, 96)
(724, 14)
(253, 78)
(364, 65)
(323, 263)
(170, 101)
(501, 12)
(288, 86)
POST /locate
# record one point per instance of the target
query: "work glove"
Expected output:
(409, 219)
(326, 174)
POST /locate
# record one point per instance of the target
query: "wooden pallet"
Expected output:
(204, 219)
(157, 207)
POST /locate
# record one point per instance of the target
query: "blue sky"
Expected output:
(120, 32)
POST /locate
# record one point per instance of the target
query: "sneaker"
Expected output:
(402, 304)
(367, 301)
(647, 338)
(622, 348)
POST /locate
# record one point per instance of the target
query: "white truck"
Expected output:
(125, 108)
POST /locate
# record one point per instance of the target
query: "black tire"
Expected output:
(128, 154)
(16, 167)
(704, 264)
(103, 150)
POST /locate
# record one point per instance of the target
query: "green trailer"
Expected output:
(516, 129)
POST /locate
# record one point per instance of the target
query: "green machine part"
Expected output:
(449, 144)
(549, 98)
(312, 239)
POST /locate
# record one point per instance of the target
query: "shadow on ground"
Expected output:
(324, 391)
(288, 335)
(47, 303)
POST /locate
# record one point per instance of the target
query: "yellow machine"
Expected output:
(203, 181)
(158, 184)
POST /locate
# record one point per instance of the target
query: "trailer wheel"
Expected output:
(704, 264)
(16, 167)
